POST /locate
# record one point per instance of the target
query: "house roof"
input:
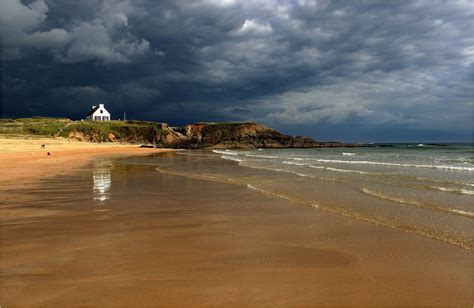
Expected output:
(93, 110)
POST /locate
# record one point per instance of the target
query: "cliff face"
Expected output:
(232, 135)
(227, 135)
(194, 136)
(113, 131)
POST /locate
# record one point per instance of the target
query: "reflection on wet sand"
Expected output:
(174, 241)
(102, 181)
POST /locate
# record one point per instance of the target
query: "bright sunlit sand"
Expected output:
(24, 157)
(125, 229)
(223, 153)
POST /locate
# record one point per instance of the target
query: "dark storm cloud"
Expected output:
(401, 68)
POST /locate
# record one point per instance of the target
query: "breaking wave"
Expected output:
(261, 156)
(226, 152)
(455, 190)
(326, 168)
(292, 163)
(364, 162)
(383, 196)
(346, 170)
(231, 158)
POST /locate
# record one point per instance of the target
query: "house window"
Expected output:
(102, 111)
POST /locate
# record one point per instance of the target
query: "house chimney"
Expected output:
(101, 105)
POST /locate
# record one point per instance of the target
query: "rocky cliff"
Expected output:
(233, 135)
(193, 136)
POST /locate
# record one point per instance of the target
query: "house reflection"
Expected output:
(102, 181)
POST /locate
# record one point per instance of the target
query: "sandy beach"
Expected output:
(96, 225)
(24, 159)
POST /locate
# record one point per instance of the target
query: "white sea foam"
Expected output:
(249, 186)
(455, 190)
(346, 170)
(261, 156)
(326, 168)
(231, 158)
(303, 174)
(292, 163)
(317, 167)
(389, 198)
(415, 203)
(364, 162)
(464, 213)
(226, 152)
(348, 154)
(290, 171)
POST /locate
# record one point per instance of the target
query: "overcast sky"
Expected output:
(367, 70)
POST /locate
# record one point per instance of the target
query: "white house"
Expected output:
(98, 113)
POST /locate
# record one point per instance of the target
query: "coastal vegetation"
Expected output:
(95, 131)
(192, 136)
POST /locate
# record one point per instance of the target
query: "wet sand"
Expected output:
(23, 160)
(118, 233)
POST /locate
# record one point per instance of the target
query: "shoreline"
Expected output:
(23, 159)
(191, 242)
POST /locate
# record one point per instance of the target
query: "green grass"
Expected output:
(45, 126)
(129, 131)
(42, 126)
(32, 126)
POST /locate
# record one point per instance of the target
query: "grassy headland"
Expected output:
(193, 136)
(125, 131)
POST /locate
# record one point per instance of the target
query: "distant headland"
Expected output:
(237, 135)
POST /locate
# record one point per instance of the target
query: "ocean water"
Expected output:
(427, 190)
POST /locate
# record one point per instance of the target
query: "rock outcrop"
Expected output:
(193, 136)
(233, 135)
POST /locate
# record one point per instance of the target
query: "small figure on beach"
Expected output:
(49, 153)
(43, 146)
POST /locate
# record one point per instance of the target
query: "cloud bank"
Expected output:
(362, 70)
(104, 37)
